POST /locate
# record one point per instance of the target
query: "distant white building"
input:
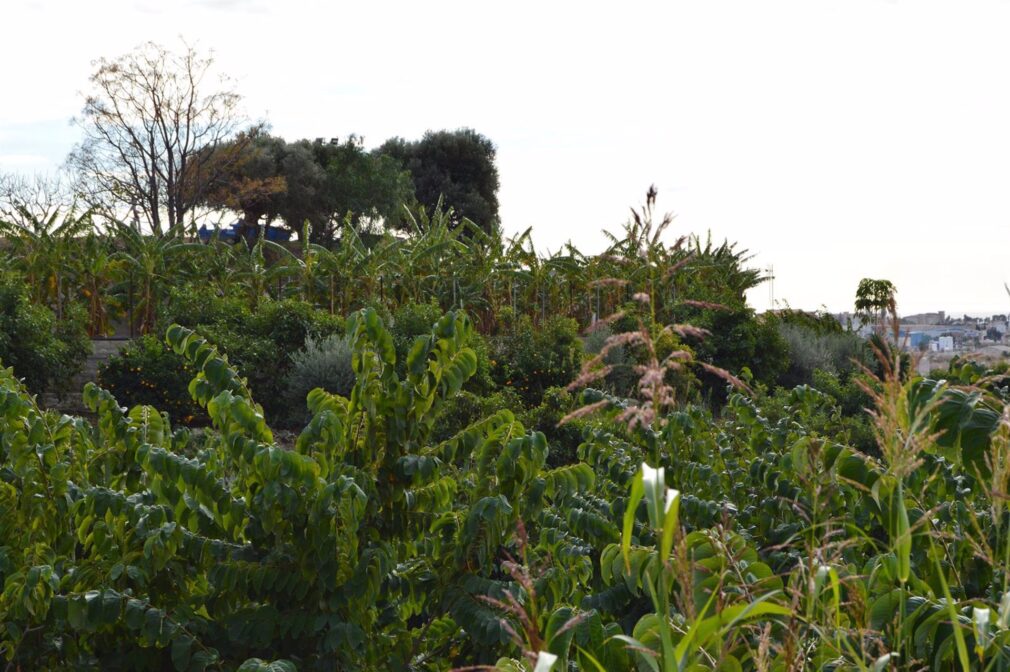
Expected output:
(945, 344)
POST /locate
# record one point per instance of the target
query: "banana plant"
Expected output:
(257, 277)
(40, 248)
(223, 265)
(429, 258)
(154, 263)
(97, 271)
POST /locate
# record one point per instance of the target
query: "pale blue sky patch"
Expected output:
(24, 162)
(35, 146)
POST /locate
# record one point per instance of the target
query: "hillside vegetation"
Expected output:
(507, 460)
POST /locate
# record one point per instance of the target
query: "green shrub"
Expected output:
(286, 324)
(407, 323)
(190, 305)
(147, 372)
(46, 353)
(415, 319)
(324, 363)
(839, 411)
(466, 408)
(810, 351)
(534, 358)
(563, 440)
(260, 345)
(739, 339)
(482, 381)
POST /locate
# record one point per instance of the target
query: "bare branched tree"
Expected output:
(25, 199)
(150, 119)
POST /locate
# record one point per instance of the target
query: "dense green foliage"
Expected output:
(147, 373)
(528, 306)
(376, 543)
(505, 460)
(259, 342)
(532, 359)
(234, 547)
(45, 351)
(453, 168)
(454, 498)
(270, 181)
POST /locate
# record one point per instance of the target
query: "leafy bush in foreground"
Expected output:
(360, 549)
(751, 541)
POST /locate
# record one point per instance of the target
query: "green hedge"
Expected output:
(45, 352)
(260, 345)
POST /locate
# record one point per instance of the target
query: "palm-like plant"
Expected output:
(40, 247)
(722, 267)
(257, 276)
(153, 263)
(355, 266)
(428, 259)
(97, 268)
(483, 277)
(316, 270)
(222, 265)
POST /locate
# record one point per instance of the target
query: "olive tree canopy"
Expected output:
(323, 183)
(456, 168)
(148, 117)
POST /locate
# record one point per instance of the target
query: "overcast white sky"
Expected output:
(833, 139)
